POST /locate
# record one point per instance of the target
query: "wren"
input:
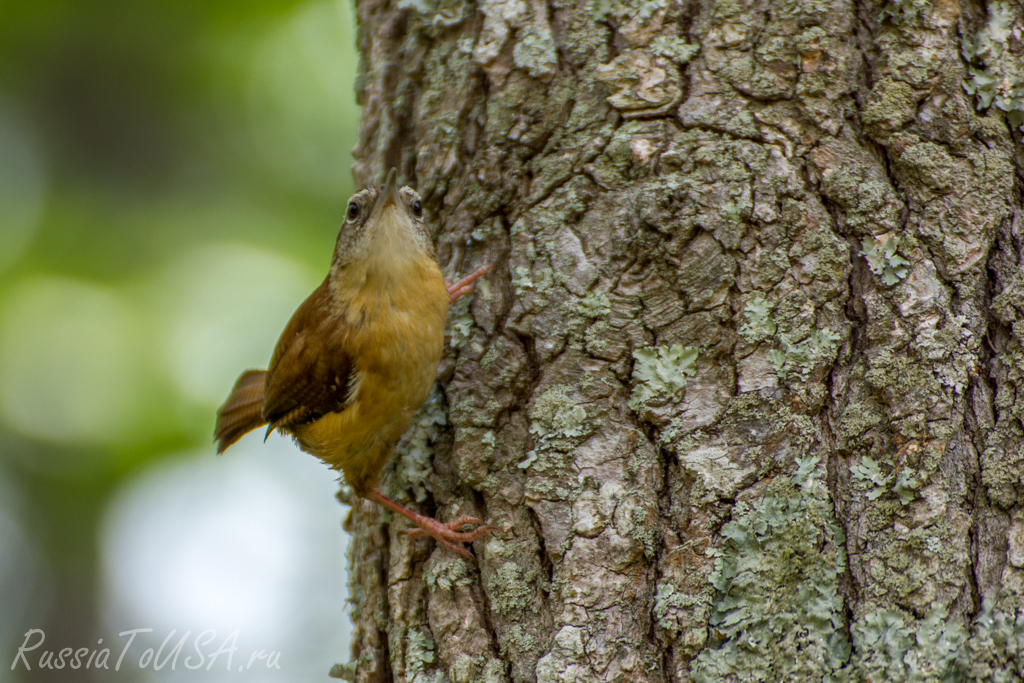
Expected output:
(360, 355)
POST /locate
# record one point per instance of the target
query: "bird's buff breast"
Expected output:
(396, 340)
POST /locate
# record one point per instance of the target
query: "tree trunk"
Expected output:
(743, 396)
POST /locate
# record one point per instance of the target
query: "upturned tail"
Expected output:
(242, 412)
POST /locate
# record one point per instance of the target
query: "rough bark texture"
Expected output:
(744, 395)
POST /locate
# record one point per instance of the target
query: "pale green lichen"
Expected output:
(438, 13)
(461, 322)
(466, 668)
(759, 325)
(904, 12)
(995, 650)
(556, 415)
(645, 9)
(556, 423)
(951, 347)
(799, 358)
(531, 457)
(509, 589)
(634, 519)
(488, 440)
(996, 76)
(520, 639)
(420, 6)
(447, 575)
(734, 212)
(876, 483)
(906, 485)
(595, 305)
(886, 648)
(480, 233)
(674, 48)
(462, 326)
(660, 373)
(494, 672)
(883, 259)
(521, 281)
(624, 10)
(476, 669)
(672, 608)
(889, 645)
(595, 338)
(777, 613)
(601, 9)
(419, 652)
(415, 452)
(535, 50)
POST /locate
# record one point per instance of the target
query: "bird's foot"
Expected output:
(451, 530)
(449, 534)
(466, 284)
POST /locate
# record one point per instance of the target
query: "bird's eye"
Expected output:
(417, 208)
(353, 211)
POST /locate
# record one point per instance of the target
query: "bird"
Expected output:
(360, 354)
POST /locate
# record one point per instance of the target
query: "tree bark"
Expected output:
(743, 396)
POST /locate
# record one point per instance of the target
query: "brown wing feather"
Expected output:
(310, 371)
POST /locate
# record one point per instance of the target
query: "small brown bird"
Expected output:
(360, 355)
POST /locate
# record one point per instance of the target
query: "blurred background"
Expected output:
(172, 174)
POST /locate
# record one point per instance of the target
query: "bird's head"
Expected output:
(383, 222)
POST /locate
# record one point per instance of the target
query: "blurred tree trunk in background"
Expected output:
(744, 394)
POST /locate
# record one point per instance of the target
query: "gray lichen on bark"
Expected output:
(830, 489)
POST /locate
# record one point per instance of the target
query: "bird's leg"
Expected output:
(447, 535)
(465, 285)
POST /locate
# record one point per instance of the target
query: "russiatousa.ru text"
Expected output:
(195, 654)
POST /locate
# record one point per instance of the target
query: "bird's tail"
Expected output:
(242, 412)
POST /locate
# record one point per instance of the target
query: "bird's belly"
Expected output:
(396, 369)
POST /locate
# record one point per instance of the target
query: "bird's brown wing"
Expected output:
(310, 374)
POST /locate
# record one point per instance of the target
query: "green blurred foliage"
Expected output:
(172, 174)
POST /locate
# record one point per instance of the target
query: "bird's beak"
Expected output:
(389, 195)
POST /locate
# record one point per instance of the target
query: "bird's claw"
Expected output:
(467, 284)
(452, 530)
(449, 534)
